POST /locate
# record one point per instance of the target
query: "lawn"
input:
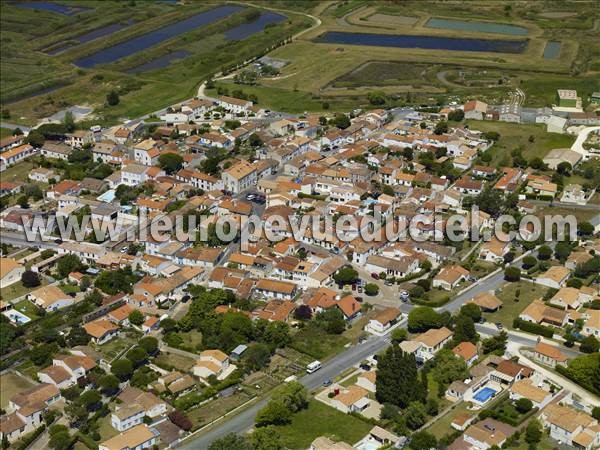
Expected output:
(511, 309)
(517, 136)
(17, 290)
(19, 172)
(442, 427)
(105, 428)
(316, 343)
(114, 347)
(10, 385)
(321, 420)
(70, 288)
(216, 408)
(177, 362)
(28, 308)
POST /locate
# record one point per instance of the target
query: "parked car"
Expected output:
(499, 325)
(360, 289)
(359, 299)
(327, 382)
(375, 276)
(388, 283)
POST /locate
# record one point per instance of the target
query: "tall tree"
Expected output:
(397, 379)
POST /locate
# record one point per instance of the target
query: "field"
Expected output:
(12, 384)
(518, 136)
(510, 308)
(116, 346)
(316, 343)
(26, 71)
(216, 408)
(177, 362)
(321, 420)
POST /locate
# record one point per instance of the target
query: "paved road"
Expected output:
(12, 126)
(590, 206)
(18, 240)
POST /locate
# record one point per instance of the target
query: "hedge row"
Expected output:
(27, 440)
(533, 328)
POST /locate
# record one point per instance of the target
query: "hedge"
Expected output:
(28, 439)
(533, 328)
(434, 304)
(87, 441)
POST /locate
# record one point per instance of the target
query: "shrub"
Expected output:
(533, 328)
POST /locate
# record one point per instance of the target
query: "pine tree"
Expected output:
(398, 379)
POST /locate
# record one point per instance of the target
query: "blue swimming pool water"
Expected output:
(484, 394)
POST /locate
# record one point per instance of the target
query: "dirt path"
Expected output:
(441, 76)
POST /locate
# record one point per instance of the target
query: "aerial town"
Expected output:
(149, 298)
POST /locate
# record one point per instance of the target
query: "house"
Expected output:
(555, 277)
(559, 155)
(461, 421)
(136, 438)
(384, 320)
(15, 155)
(28, 407)
(324, 443)
(467, 351)
(79, 138)
(175, 383)
(427, 344)
(591, 323)
(394, 267)
(275, 310)
(239, 177)
(549, 355)
(538, 312)
(234, 105)
(137, 404)
(571, 427)
(556, 124)
(11, 142)
(541, 185)
(101, 331)
(487, 301)
(475, 109)
(213, 362)
(56, 150)
(50, 298)
(450, 276)
(574, 193)
(367, 380)
(494, 250)
(276, 289)
(507, 372)
(43, 175)
(527, 389)
(485, 434)
(66, 371)
(570, 298)
(120, 315)
(566, 98)
(352, 399)
(10, 271)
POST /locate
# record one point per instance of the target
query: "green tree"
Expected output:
(331, 320)
(533, 432)
(564, 168)
(423, 318)
(529, 261)
(266, 438)
(230, 441)
(69, 122)
(490, 201)
(90, 399)
(441, 127)
(524, 405)
(345, 275)
(464, 329)
(371, 289)
(342, 121)
(109, 384)
(376, 97)
(136, 317)
(415, 415)
(77, 336)
(399, 335)
(293, 395)
(512, 274)
(137, 355)
(544, 252)
(562, 250)
(422, 440)
(274, 413)
(585, 229)
(149, 343)
(170, 162)
(447, 367)
(67, 264)
(30, 279)
(589, 345)
(471, 310)
(397, 378)
(112, 98)
(257, 356)
(122, 369)
(61, 440)
(496, 344)
(457, 115)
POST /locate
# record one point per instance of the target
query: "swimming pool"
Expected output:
(108, 196)
(484, 394)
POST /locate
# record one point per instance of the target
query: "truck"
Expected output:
(313, 367)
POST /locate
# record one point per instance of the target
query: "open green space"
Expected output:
(511, 309)
(531, 140)
(28, 308)
(174, 362)
(321, 420)
(118, 345)
(10, 385)
(315, 342)
(216, 408)
(441, 427)
(18, 290)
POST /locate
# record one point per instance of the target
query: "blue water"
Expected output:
(159, 63)
(484, 394)
(484, 27)
(248, 29)
(95, 34)
(155, 37)
(53, 7)
(425, 42)
(108, 196)
(552, 50)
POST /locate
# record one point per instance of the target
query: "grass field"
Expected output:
(318, 344)
(517, 137)
(28, 308)
(11, 384)
(216, 408)
(17, 289)
(117, 345)
(511, 309)
(442, 427)
(178, 362)
(321, 420)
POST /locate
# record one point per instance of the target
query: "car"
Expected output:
(365, 367)
(375, 276)
(58, 241)
(359, 299)
(72, 294)
(404, 299)
(250, 197)
(353, 286)
(327, 382)
(123, 250)
(499, 325)
(388, 283)
(360, 289)
(185, 299)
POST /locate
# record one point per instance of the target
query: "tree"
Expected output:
(257, 356)
(544, 252)
(112, 98)
(149, 343)
(376, 97)
(399, 335)
(274, 413)
(181, 420)
(69, 122)
(266, 438)
(23, 202)
(397, 378)
(585, 229)
(30, 279)
(168, 325)
(471, 310)
(512, 274)
(90, 399)
(41, 355)
(346, 275)
(293, 395)
(490, 201)
(457, 115)
(76, 412)
(170, 162)
(303, 312)
(230, 441)
(332, 321)
(136, 317)
(441, 127)
(533, 432)
(61, 440)
(596, 412)
(432, 406)
(562, 250)
(529, 261)
(464, 329)
(415, 415)
(447, 367)
(422, 440)
(122, 368)
(524, 405)
(564, 168)
(342, 121)
(422, 318)
(137, 355)
(371, 289)
(67, 264)
(78, 336)
(589, 345)
(496, 344)
(109, 384)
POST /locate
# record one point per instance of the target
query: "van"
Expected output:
(313, 367)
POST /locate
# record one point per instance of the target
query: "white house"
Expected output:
(136, 438)
(10, 271)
